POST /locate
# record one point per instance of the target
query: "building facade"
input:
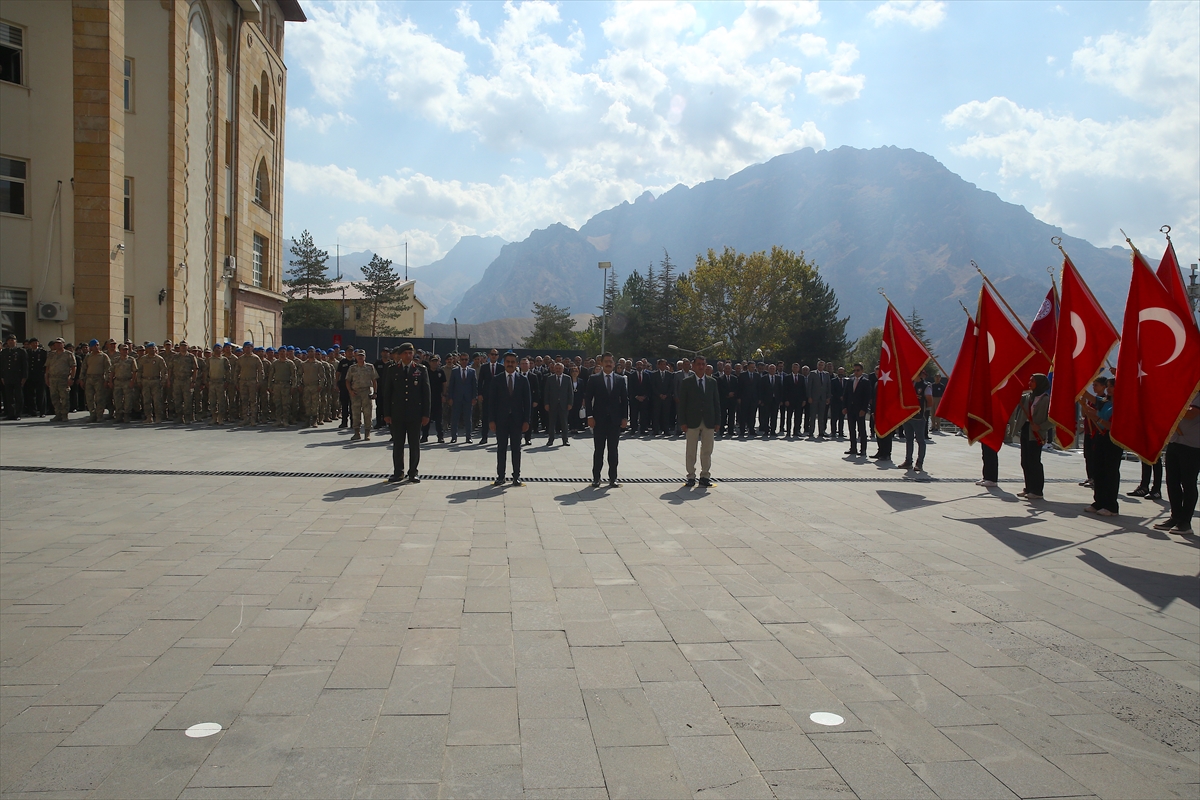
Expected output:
(141, 168)
(355, 311)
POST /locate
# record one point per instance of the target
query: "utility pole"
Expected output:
(456, 334)
(406, 262)
(605, 266)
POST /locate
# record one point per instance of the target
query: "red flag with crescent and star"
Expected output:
(1158, 367)
(1042, 331)
(1085, 335)
(901, 359)
(1172, 280)
(953, 407)
(1001, 351)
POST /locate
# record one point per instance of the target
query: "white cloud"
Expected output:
(424, 247)
(921, 14)
(301, 116)
(1136, 171)
(668, 101)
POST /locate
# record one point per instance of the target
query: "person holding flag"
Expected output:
(902, 358)
(1035, 431)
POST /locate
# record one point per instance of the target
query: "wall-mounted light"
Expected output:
(120, 248)
(162, 296)
(182, 266)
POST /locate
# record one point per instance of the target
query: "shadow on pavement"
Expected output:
(369, 490)
(1004, 529)
(683, 494)
(480, 493)
(907, 501)
(1155, 587)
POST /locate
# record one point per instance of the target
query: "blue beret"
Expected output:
(247, 344)
(93, 342)
(150, 344)
(258, 349)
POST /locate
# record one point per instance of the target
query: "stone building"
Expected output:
(355, 311)
(141, 168)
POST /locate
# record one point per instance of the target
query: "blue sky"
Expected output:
(427, 121)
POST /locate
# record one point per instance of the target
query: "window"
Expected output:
(266, 96)
(128, 203)
(254, 101)
(262, 186)
(128, 313)
(260, 256)
(129, 84)
(13, 174)
(272, 126)
(14, 305)
(12, 53)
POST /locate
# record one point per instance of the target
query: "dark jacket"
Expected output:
(14, 365)
(404, 392)
(858, 399)
(794, 389)
(463, 390)
(486, 371)
(607, 408)
(558, 391)
(696, 407)
(770, 389)
(748, 389)
(508, 409)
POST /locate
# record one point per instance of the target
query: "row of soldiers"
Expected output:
(187, 383)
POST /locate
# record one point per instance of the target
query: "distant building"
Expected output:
(141, 168)
(356, 313)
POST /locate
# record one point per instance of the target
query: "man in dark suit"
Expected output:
(818, 400)
(607, 401)
(794, 396)
(770, 394)
(748, 400)
(488, 370)
(404, 398)
(639, 393)
(558, 398)
(837, 401)
(727, 385)
(462, 392)
(509, 404)
(700, 418)
(858, 404)
(535, 394)
(662, 388)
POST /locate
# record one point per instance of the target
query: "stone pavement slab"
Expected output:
(447, 639)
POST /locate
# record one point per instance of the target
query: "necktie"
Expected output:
(702, 387)
(510, 383)
(609, 381)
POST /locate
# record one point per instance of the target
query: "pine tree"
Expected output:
(307, 273)
(917, 325)
(553, 327)
(384, 296)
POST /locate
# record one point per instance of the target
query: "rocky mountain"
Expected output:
(890, 218)
(440, 285)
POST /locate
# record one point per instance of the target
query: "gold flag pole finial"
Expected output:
(1165, 230)
(1057, 242)
(965, 309)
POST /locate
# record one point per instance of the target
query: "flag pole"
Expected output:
(1032, 340)
(1057, 242)
(931, 355)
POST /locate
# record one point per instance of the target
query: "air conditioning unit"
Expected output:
(49, 311)
(230, 268)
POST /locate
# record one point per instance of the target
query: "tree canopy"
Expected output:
(385, 297)
(307, 274)
(553, 328)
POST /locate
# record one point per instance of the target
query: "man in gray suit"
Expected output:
(818, 400)
(558, 397)
(700, 418)
(463, 388)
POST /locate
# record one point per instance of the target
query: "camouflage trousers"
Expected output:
(216, 402)
(360, 411)
(152, 401)
(60, 397)
(248, 391)
(93, 387)
(181, 395)
(122, 395)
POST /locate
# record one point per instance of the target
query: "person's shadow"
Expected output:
(684, 494)
(370, 490)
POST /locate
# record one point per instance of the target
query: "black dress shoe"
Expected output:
(614, 484)
(413, 479)
(596, 484)
(395, 478)
(518, 482)
(690, 482)
(705, 483)
(566, 443)
(1154, 496)
(1140, 491)
(498, 482)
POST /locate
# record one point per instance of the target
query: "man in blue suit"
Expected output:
(509, 406)
(607, 401)
(463, 389)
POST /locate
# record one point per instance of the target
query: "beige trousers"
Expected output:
(704, 436)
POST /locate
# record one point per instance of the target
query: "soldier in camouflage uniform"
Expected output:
(266, 408)
(310, 383)
(60, 372)
(95, 375)
(363, 383)
(183, 382)
(152, 371)
(283, 382)
(124, 374)
(233, 408)
(249, 377)
(217, 374)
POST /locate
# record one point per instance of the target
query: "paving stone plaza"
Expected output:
(451, 639)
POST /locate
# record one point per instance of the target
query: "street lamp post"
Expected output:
(695, 353)
(456, 334)
(604, 267)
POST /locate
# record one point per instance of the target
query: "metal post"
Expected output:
(456, 334)
(604, 267)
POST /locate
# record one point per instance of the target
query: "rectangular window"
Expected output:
(260, 256)
(128, 318)
(13, 174)
(12, 54)
(128, 204)
(14, 306)
(129, 84)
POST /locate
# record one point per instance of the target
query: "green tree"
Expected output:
(867, 349)
(917, 325)
(816, 331)
(310, 313)
(307, 274)
(384, 297)
(553, 328)
(663, 328)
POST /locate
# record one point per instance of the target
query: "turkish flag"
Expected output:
(1158, 368)
(1044, 329)
(1082, 344)
(1000, 353)
(1172, 280)
(901, 359)
(957, 393)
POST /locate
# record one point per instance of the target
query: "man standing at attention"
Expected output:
(463, 391)
(607, 402)
(858, 403)
(124, 372)
(152, 370)
(510, 406)
(405, 404)
(60, 371)
(250, 374)
(96, 368)
(362, 382)
(558, 398)
(700, 418)
(488, 370)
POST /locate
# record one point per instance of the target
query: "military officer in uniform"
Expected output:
(218, 371)
(405, 403)
(124, 373)
(95, 373)
(152, 370)
(283, 381)
(60, 372)
(249, 374)
(183, 382)
(362, 381)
